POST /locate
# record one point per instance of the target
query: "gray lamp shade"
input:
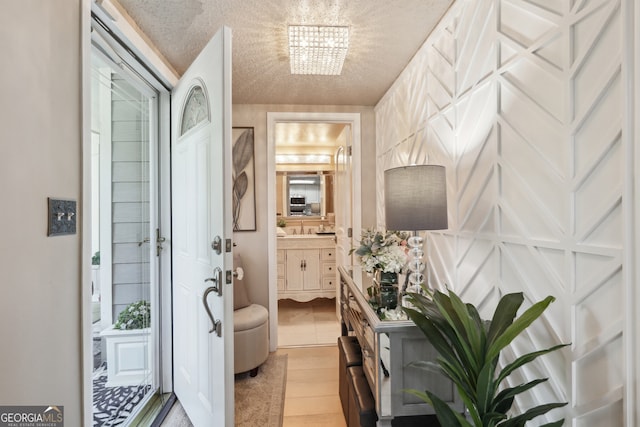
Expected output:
(416, 198)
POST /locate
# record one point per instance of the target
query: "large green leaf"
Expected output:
(518, 325)
(460, 342)
(504, 314)
(507, 395)
(470, 328)
(486, 388)
(447, 416)
(524, 359)
(432, 333)
(558, 423)
(520, 420)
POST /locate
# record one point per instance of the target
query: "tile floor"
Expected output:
(309, 323)
(307, 333)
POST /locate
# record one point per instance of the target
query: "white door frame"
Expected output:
(287, 117)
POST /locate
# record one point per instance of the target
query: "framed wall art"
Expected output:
(244, 181)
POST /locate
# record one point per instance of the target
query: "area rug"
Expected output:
(112, 406)
(260, 399)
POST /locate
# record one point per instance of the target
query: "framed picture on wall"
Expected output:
(244, 180)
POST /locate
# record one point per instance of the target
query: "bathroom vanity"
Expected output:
(306, 267)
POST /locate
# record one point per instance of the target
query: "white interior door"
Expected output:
(201, 210)
(343, 204)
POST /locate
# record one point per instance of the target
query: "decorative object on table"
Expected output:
(383, 254)
(415, 199)
(243, 176)
(469, 350)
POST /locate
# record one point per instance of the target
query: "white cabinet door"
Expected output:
(303, 269)
(311, 269)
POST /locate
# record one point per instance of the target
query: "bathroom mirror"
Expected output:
(304, 194)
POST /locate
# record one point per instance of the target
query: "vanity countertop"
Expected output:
(293, 241)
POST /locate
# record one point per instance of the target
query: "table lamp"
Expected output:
(415, 200)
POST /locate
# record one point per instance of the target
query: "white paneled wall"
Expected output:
(526, 102)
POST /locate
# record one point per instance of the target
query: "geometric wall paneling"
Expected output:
(526, 105)
(610, 415)
(519, 272)
(441, 135)
(540, 82)
(600, 375)
(593, 270)
(476, 266)
(475, 114)
(441, 253)
(475, 57)
(593, 314)
(416, 112)
(477, 199)
(513, 16)
(530, 121)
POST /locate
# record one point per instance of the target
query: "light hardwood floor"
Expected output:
(307, 333)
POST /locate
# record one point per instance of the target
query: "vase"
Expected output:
(387, 284)
(388, 296)
(386, 278)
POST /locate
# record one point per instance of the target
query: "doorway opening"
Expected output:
(311, 198)
(126, 241)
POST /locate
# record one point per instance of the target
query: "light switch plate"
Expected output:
(62, 217)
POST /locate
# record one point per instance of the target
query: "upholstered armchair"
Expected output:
(251, 327)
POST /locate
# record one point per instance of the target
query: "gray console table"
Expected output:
(388, 347)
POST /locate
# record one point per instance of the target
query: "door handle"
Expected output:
(217, 280)
(216, 325)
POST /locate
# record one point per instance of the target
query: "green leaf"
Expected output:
(558, 423)
(508, 394)
(519, 325)
(432, 333)
(459, 342)
(524, 359)
(504, 314)
(486, 388)
(471, 331)
(447, 416)
(420, 394)
(520, 420)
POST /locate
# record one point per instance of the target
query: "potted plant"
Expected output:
(469, 350)
(128, 346)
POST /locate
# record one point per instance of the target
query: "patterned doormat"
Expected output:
(113, 405)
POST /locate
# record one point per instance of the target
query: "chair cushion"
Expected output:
(249, 317)
(240, 296)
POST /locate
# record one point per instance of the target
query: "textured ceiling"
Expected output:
(384, 36)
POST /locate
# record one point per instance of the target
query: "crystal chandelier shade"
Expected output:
(317, 50)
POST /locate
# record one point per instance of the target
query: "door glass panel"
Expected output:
(124, 264)
(196, 109)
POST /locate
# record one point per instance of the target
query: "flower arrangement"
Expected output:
(382, 250)
(136, 315)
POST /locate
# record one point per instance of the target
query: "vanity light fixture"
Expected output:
(303, 181)
(316, 159)
(319, 50)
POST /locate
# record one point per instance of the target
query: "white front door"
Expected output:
(201, 211)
